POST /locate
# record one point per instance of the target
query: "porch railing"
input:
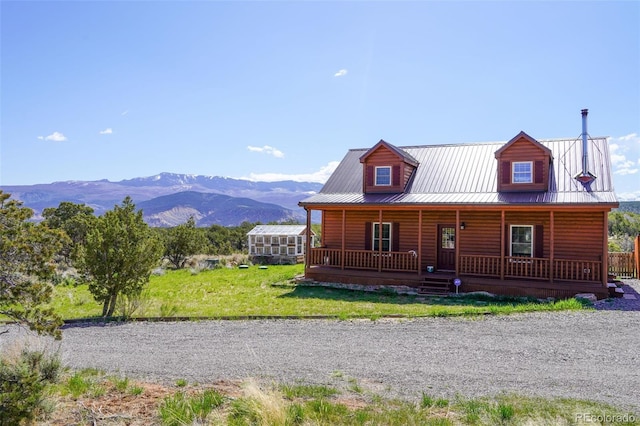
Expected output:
(365, 259)
(529, 267)
(489, 266)
(532, 268)
(480, 265)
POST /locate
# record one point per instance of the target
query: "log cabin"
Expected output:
(525, 217)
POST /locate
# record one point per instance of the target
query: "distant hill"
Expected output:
(102, 195)
(211, 209)
(629, 206)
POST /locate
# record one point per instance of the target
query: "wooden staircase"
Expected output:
(614, 289)
(435, 286)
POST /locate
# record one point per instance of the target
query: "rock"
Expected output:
(587, 296)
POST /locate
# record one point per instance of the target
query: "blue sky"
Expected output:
(281, 90)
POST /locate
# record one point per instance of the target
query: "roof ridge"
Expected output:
(479, 143)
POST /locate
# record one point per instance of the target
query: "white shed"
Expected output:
(278, 243)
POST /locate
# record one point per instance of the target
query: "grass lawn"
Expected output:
(272, 292)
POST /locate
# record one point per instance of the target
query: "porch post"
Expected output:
(420, 242)
(605, 248)
(636, 254)
(380, 240)
(552, 244)
(344, 220)
(307, 243)
(457, 242)
(503, 243)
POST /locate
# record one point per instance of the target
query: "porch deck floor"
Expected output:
(469, 282)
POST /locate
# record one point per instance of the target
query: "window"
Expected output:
(386, 237)
(259, 239)
(448, 236)
(521, 241)
(274, 240)
(292, 251)
(383, 176)
(291, 240)
(275, 250)
(522, 172)
(259, 250)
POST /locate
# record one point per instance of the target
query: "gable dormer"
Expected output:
(523, 165)
(386, 169)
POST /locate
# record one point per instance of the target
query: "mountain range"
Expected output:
(169, 199)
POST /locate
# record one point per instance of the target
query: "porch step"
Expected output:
(434, 286)
(614, 290)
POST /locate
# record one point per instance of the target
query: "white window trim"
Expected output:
(511, 238)
(374, 240)
(513, 171)
(376, 175)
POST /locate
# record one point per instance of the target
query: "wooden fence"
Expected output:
(625, 265)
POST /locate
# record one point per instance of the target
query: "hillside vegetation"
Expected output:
(624, 226)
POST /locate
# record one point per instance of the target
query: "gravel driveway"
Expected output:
(588, 354)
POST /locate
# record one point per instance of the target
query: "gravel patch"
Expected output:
(585, 354)
(629, 302)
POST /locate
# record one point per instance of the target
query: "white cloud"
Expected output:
(629, 137)
(125, 112)
(55, 136)
(629, 196)
(267, 150)
(319, 176)
(106, 131)
(341, 73)
(625, 154)
(626, 169)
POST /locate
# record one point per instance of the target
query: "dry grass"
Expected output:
(265, 404)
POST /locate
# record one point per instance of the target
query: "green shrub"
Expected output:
(307, 391)
(22, 384)
(174, 411)
(168, 310)
(180, 409)
(77, 385)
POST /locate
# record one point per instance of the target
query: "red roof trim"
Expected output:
(519, 136)
(402, 155)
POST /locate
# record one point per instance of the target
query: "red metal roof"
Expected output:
(467, 174)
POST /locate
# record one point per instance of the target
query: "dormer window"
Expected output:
(383, 176)
(524, 165)
(522, 172)
(386, 169)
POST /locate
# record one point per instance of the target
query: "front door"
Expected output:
(446, 247)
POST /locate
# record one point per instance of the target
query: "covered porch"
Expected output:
(476, 265)
(477, 249)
